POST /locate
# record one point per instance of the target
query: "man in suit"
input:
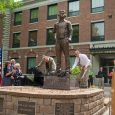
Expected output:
(50, 64)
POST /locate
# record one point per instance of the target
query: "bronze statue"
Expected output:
(63, 34)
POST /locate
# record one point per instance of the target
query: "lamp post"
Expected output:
(113, 90)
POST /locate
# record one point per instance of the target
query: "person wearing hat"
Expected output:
(63, 34)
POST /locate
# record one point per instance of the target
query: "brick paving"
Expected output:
(108, 112)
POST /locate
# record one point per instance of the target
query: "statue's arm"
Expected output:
(54, 31)
(70, 30)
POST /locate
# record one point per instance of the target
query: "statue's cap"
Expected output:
(62, 11)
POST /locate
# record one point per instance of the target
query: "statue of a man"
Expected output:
(63, 34)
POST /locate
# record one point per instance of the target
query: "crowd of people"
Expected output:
(12, 74)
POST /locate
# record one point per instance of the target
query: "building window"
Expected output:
(52, 11)
(32, 38)
(16, 40)
(97, 6)
(31, 62)
(75, 36)
(73, 8)
(72, 60)
(34, 15)
(50, 37)
(97, 31)
(17, 18)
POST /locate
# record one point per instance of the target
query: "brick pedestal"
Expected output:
(54, 82)
(39, 101)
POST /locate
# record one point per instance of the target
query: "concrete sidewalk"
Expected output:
(108, 112)
(107, 94)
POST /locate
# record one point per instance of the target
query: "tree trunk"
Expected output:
(6, 36)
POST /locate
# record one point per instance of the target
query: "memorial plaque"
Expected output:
(64, 109)
(1, 104)
(54, 82)
(25, 107)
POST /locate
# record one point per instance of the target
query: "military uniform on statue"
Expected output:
(63, 34)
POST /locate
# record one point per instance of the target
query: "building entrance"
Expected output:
(107, 64)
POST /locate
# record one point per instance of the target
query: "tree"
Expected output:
(6, 8)
(9, 5)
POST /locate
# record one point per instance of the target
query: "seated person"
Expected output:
(50, 64)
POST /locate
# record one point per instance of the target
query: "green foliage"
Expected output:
(9, 5)
(76, 70)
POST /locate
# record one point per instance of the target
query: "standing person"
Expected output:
(111, 75)
(50, 64)
(13, 62)
(8, 74)
(85, 63)
(63, 34)
(91, 76)
(101, 75)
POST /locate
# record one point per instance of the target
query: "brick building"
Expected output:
(93, 21)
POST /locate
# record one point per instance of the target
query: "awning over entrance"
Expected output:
(102, 48)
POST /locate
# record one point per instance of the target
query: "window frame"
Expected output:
(29, 42)
(16, 23)
(77, 11)
(95, 39)
(99, 11)
(14, 44)
(72, 41)
(28, 63)
(34, 19)
(52, 16)
(47, 41)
